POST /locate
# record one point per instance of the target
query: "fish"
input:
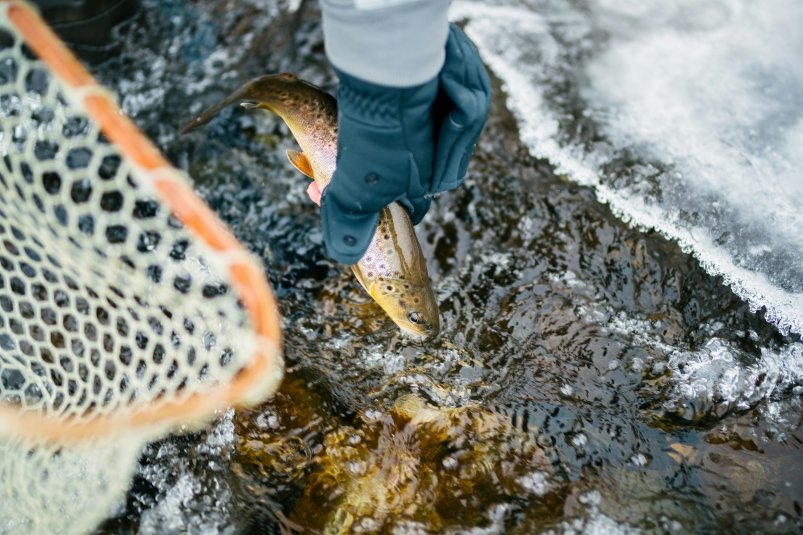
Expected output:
(393, 269)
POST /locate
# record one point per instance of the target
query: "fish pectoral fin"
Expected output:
(300, 162)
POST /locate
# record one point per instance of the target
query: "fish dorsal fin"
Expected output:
(300, 162)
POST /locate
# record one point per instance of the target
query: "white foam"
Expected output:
(707, 96)
(713, 377)
(592, 521)
(720, 377)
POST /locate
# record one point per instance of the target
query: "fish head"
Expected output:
(411, 306)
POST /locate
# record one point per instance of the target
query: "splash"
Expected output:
(711, 379)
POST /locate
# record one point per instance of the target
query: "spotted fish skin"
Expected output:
(392, 270)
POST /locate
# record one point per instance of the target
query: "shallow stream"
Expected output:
(590, 376)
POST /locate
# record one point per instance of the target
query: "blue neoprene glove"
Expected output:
(402, 144)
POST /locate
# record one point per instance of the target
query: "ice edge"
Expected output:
(537, 131)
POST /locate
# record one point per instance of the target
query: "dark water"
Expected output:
(590, 377)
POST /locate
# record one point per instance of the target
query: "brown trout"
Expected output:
(393, 270)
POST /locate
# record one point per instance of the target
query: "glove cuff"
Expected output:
(367, 102)
(382, 106)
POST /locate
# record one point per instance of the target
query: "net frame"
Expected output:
(263, 373)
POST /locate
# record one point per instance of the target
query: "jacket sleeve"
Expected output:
(397, 43)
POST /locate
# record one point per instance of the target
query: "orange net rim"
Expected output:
(251, 383)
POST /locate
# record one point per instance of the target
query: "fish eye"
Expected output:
(416, 318)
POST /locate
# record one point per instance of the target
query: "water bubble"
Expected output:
(592, 497)
(536, 483)
(357, 468)
(579, 440)
(639, 459)
(449, 462)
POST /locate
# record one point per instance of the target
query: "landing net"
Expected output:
(126, 308)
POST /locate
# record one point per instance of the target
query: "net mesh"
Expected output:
(125, 307)
(48, 488)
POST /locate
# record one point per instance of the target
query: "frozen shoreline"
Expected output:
(702, 95)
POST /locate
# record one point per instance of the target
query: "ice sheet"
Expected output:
(686, 117)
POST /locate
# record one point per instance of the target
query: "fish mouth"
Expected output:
(417, 330)
(419, 334)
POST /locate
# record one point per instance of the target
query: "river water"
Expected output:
(619, 281)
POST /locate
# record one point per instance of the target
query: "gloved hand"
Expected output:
(395, 144)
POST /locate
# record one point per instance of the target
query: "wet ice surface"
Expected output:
(591, 377)
(685, 116)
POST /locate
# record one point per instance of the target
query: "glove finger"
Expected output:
(464, 81)
(455, 146)
(454, 50)
(347, 234)
(464, 73)
(458, 134)
(475, 75)
(419, 208)
(463, 62)
(470, 105)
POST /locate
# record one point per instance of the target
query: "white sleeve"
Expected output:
(398, 43)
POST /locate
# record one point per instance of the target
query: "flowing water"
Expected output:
(591, 375)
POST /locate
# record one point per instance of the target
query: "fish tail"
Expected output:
(243, 93)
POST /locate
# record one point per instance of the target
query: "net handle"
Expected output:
(265, 371)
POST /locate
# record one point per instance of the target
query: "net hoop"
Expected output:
(265, 370)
